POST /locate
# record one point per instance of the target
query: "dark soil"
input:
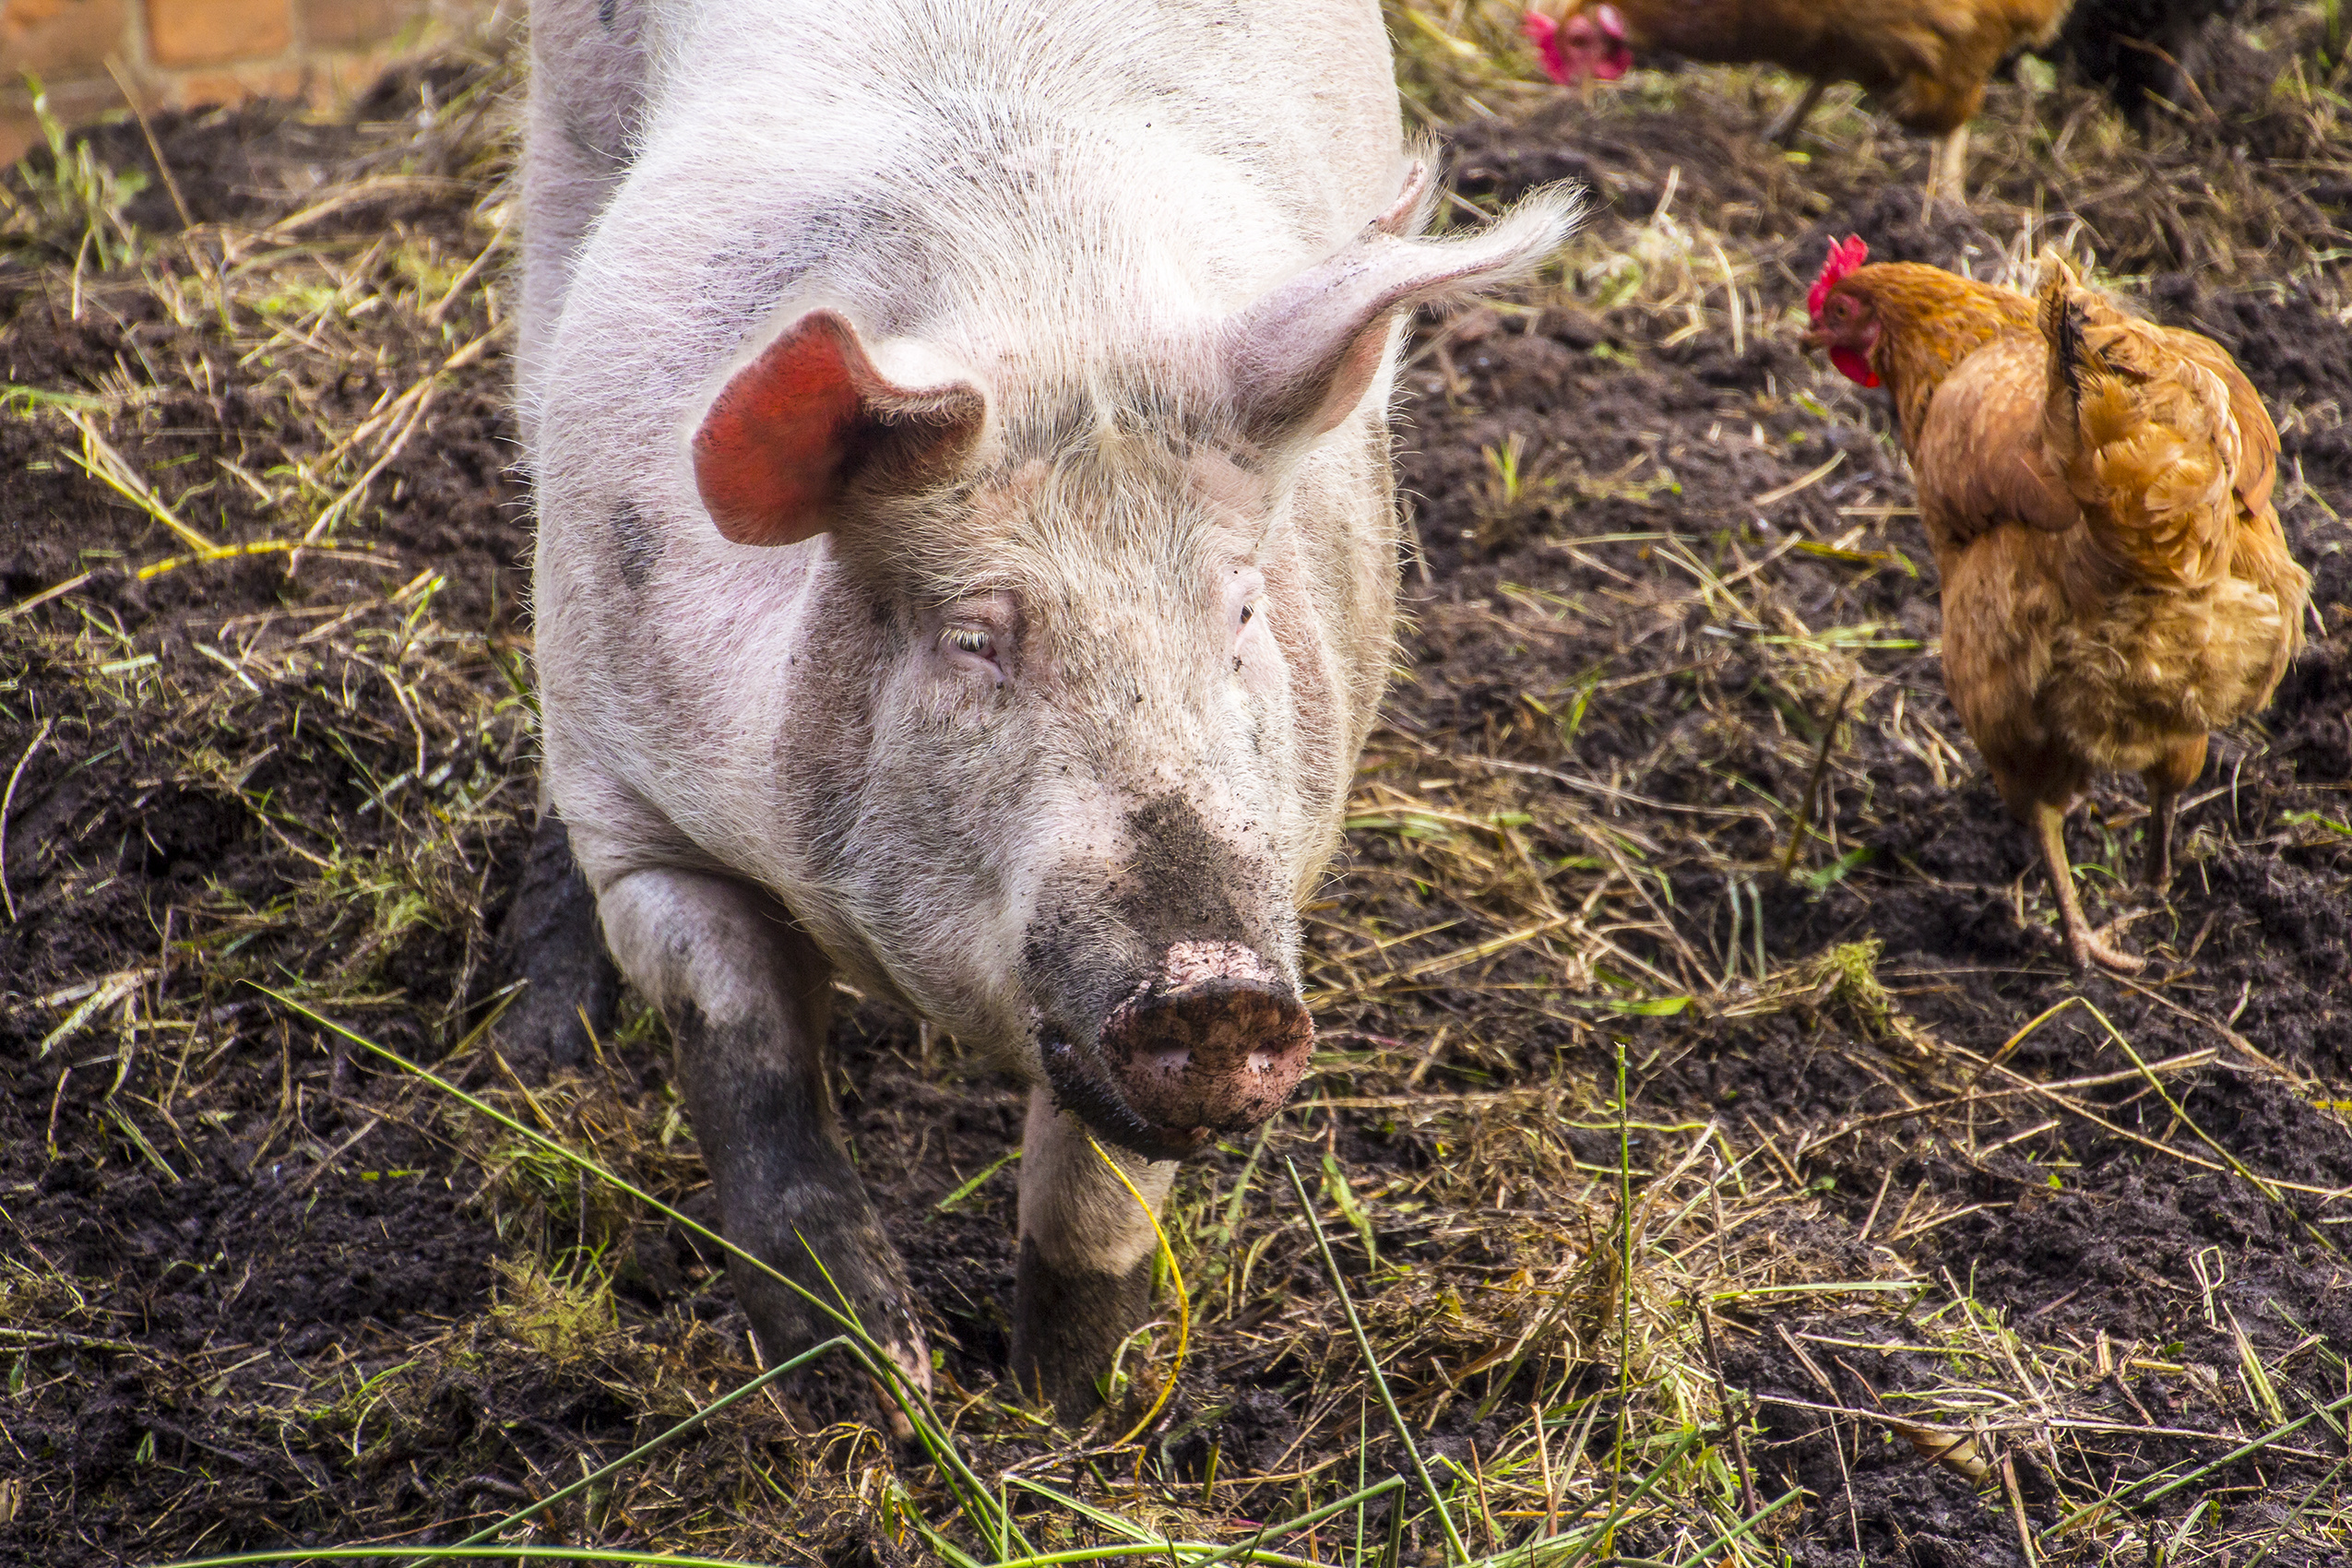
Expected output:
(250, 1272)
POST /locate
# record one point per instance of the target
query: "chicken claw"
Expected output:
(2085, 946)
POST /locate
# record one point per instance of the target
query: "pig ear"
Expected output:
(809, 416)
(1298, 360)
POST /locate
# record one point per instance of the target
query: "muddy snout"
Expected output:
(1216, 1041)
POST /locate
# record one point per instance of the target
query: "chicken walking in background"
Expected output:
(1928, 60)
(2097, 490)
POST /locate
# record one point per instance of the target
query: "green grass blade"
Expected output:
(1455, 1551)
(1619, 1507)
(2255, 1445)
(1313, 1516)
(509, 1553)
(1126, 1527)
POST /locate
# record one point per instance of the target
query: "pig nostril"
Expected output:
(1205, 1046)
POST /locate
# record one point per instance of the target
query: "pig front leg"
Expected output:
(1084, 1279)
(749, 997)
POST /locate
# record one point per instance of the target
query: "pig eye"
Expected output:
(975, 634)
(1244, 599)
(971, 646)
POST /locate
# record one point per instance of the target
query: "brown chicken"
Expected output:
(1927, 60)
(2097, 490)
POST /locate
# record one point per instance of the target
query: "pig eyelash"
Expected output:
(971, 639)
(1247, 611)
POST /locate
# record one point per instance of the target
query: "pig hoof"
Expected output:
(847, 1264)
(1066, 1327)
(552, 943)
(909, 1355)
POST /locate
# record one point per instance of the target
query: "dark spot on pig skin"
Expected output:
(1066, 1327)
(637, 546)
(1076, 953)
(609, 13)
(601, 132)
(551, 938)
(1181, 879)
(1179, 882)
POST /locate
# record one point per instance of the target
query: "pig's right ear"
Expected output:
(809, 416)
(1298, 360)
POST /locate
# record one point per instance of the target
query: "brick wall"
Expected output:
(182, 53)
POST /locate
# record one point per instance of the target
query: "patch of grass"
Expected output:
(75, 202)
(566, 1317)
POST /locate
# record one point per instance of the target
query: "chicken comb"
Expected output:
(1544, 33)
(1844, 257)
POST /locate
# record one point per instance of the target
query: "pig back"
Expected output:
(967, 163)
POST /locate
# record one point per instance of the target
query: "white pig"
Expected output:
(967, 566)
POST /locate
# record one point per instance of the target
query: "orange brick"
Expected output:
(20, 132)
(197, 90)
(48, 36)
(344, 24)
(215, 32)
(340, 80)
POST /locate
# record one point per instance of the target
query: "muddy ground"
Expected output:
(262, 1289)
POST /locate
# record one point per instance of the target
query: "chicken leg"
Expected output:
(2172, 773)
(1790, 121)
(2156, 870)
(2083, 945)
(1948, 167)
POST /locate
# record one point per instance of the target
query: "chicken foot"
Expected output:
(2084, 946)
(1790, 121)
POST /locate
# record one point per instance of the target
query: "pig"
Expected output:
(967, 565)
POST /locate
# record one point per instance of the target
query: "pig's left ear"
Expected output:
(809, 416)
(1298, 360)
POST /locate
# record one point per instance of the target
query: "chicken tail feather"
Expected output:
(2143, 434)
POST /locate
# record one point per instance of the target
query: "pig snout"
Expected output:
(1215, 1041)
